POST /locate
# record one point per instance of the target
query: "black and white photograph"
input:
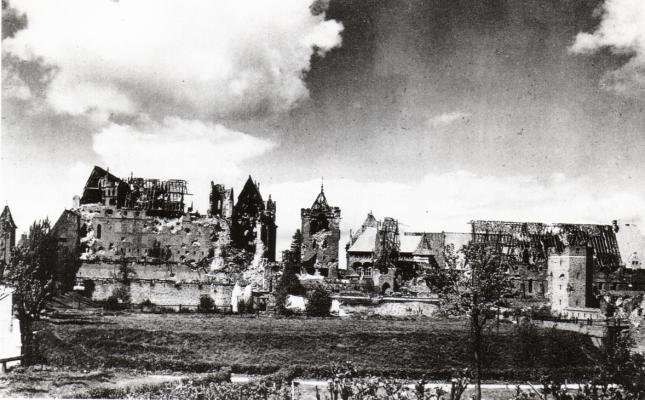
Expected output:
(322, 199)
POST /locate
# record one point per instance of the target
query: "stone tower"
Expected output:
(7, 238)
(571, 278)
(320, 237)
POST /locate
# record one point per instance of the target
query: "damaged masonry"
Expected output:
(173, 254)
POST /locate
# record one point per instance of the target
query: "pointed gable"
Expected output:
(91, 191)
(370, 220)
(250, 194)
(6, 220)
(321, 201)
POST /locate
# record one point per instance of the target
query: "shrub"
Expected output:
(89, 286)
(528, 344)
(244, 307)
(147, 303)
(112, 303)
(318, 303)
(184, 310)
(206, 304)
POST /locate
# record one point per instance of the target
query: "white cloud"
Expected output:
(446, 119)
(178, 148)
(447, 202)
(33, 197)
(622, 30)
(175, 148)
(187, 58)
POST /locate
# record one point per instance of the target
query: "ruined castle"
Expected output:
(173, 254)
(140, 234)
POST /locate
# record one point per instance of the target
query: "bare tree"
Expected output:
(475, 290)
(31, 275)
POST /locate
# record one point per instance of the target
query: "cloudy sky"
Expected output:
(434, 112)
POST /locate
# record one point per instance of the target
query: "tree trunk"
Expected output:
(476, 343)
(27, 338)
(478, 367)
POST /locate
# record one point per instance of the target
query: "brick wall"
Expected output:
(116, 233)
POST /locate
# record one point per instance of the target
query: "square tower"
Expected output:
(570, 278)
(320, 237)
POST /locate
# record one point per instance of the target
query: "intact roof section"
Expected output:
(366, 241)
(410, 243)
(631, 244)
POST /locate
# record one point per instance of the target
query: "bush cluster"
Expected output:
(206, 304)
(318, 303)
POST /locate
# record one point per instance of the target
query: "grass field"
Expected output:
(401, 348)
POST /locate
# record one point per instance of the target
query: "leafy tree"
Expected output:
(71, 263)
(477, 290)
(126, 272)
(619, 365)
(31, 275)
(123, 276)
(289, 284)
(318, 303)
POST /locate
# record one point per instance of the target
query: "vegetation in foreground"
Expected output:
(402, 348)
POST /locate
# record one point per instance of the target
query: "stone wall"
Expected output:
(167, 293)
(409, 308)
(169, 272)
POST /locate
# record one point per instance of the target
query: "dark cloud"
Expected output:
(12, 21)
(35, 73)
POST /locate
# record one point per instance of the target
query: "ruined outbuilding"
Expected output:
(556, 262)
(382, 258)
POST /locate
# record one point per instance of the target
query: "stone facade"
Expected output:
(320, 237)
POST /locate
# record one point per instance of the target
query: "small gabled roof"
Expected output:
(6, 220)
